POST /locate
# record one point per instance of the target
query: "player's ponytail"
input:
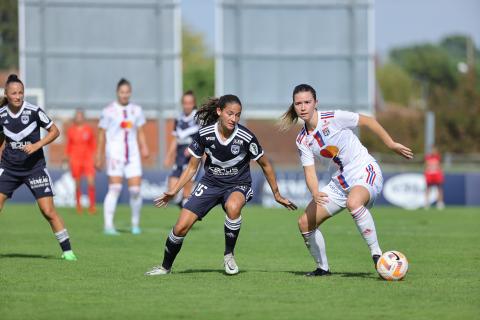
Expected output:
(207, 114)
(290, 117)
(11, 79)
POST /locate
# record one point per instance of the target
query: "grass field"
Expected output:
(108, 282)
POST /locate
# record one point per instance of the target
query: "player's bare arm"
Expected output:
(170, 156)
(375, 127)
(52, 134)
(186, 176)
(319, 197)
(100, 148)
(2, 139)
(142, 142)
(269, 173)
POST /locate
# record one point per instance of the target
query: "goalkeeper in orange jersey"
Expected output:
(81, 145)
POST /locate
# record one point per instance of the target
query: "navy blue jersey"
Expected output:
(228, 162)
(21, 129)
(184, 129)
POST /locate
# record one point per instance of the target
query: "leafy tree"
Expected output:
(198, 65)
(8, 34)
(396, 84)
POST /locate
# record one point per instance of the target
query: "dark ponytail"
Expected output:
(207, 114)
(290, 117)
(11, 79)
(122, 82)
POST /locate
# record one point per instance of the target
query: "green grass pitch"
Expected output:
(108, 282)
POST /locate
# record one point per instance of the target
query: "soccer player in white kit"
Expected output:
(356, 178)
(121, 137)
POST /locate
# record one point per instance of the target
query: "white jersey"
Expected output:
(334, 140)
(121, 124)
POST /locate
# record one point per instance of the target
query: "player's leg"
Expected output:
(427, 196)
(440, 204)
(75, 170)
(91, 193)
(110, 204)
(48, 210)
(3, 198)
(136, 201)
(357, 201)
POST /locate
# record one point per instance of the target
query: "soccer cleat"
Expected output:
(375, 258)
(136, 230)
(69, 256)
(318, 273)
(230, 265)
(92, 211)
(158, 271)
(111, 232)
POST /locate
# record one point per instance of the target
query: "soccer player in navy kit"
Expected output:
(23, 161)
(229, 147)
(184, 129)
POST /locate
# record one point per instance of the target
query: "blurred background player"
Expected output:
(356, 178)
(185, 128)
(434, 177)
(229, 147)
(80, 149)
(121, 137)
(23, 161)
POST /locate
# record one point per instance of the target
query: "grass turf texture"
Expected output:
(108, 282)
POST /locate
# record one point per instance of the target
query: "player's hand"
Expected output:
(31, 148)
(162, 201)
(285, 202)
(402, 150)
(321, 198)
(99, 162)
(168, 162)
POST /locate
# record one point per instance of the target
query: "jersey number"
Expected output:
(199, 190)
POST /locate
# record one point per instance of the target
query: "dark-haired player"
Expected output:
(23, 161)
(122, 139)
(184, 129)
(228, 147)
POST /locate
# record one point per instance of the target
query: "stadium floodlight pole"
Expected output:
(429, 131)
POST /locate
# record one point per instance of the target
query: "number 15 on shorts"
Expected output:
(200, 189)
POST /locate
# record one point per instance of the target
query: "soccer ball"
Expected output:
(392, 265)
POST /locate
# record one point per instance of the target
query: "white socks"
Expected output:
(366, 227)
(316, 245)
(135, 204)
(110, 204)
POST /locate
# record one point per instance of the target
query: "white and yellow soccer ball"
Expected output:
(392, 266)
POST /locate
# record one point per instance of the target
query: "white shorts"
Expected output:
(121, 168)
(371, 178)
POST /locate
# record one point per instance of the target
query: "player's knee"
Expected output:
(233, 209)
(134, 191)
(49, 213)
(114, 188)
(353, 204)
(181, 230)
(303, 223)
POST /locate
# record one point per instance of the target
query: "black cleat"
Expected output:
(318, 272)
(375, 258)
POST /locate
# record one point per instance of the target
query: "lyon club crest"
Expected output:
(235, 149)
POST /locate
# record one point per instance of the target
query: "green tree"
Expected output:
(198, 65)
(8, 34)
(396, 84)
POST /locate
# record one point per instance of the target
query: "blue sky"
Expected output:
(397, 22)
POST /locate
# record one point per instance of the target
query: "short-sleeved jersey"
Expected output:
(227, 162)
(334, 141)
(433, 163)
(121, 124)
(185, 128)
(21, 129)
(81, 142)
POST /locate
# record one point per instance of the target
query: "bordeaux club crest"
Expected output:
(25, 119)
(235, 149)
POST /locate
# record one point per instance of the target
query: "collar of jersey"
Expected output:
(13, 115)
(120, 106)
(314, 130)
(189, 117)
(220, 140)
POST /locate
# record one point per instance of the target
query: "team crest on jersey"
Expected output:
(326, 132)
(235, 149)
(25, 119)
(254, 149)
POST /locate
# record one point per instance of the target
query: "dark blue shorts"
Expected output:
(181, 162)
(37, 180)
(205, 196)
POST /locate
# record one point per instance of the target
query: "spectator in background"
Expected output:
(80, 149)
(434, 177)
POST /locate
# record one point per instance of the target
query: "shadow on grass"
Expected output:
(220, 271)
(26, 255)
(364, 275)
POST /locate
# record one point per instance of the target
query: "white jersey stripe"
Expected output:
(22, 134)
(244, 137)
(245, 133)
